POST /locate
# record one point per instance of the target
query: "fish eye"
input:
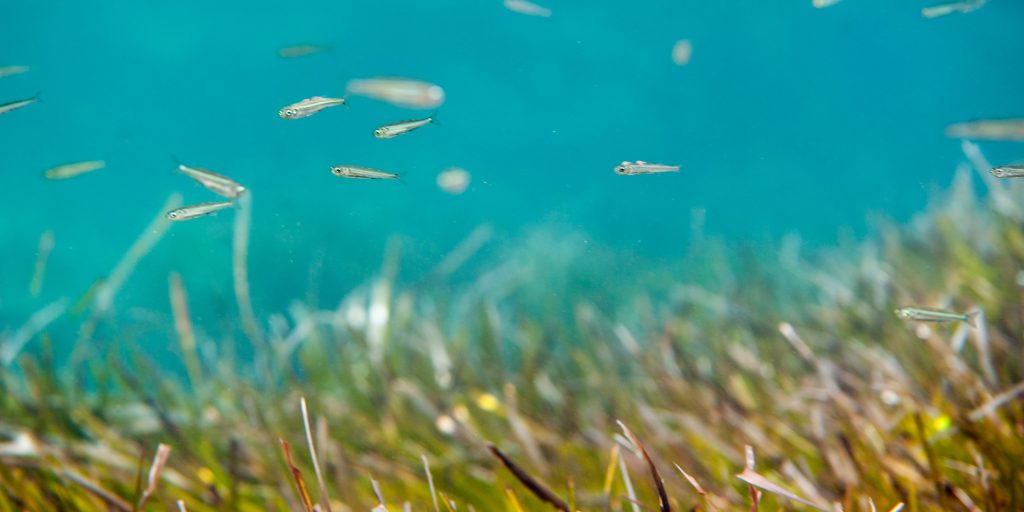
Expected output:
(289, 112)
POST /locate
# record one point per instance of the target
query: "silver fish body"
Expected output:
(63, 172)
(1008, 171)
(641, 167)
(934, 315)
(351, 171)
(197, 210)
(988, 129)
(308, 107)
(401, 92)
(303, 50)
(13, 70)
(961, 7)
(395, 129)
(16, 104)
(216, 183)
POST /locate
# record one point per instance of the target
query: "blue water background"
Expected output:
(787, 119)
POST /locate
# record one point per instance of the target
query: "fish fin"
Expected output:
(38, 96)
(972, 318)
(177, 163)
(433, 119)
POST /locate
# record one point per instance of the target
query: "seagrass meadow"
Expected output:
(774, 380)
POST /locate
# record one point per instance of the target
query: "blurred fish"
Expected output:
(197, 210)
(302, 50)
(16, 104)
(935, 315)
(681, 52)
(63, 172)
(824, 3)
(401, 92)
(1008, 171)
(453, 180)
(395, 129)
(989, 129)
(350, 171)
(944, 9)
(527, 8)
(216, 183)
(641, 167)
(309, 106)
(12, 70)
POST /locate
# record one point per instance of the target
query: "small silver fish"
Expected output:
(641, 167)
(16, 104)
(13, 70)
(197, 210)
(351, 171)
(216, 183)
(527, 8)
(988, 129)
(1008, 171)
(401, 92)
(935, 315)
(395, 129)
(961, 7)
(63, 172)
(308, 107)
(302, 50)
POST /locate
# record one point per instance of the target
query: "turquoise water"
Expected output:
(787, 119)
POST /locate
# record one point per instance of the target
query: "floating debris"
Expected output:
(527, 8)
(63, 172)
(302, 50)
(935, 315)
(395, 129)
(681, 52)
(351, 171)
(1008, 171)
(197, 210)
(400, 92)
(988, 129)
(961, 7)
(216, 183)
(13, 70)
(308, 107)
(453, 180)
(641, 167)
(16, 104)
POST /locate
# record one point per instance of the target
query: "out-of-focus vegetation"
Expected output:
(788, 371)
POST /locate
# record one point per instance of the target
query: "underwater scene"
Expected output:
(512, 255)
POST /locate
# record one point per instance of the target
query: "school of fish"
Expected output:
(418, 94)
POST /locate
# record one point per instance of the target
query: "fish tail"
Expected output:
(177, 162)
(972, 318)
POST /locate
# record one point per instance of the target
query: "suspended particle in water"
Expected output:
(682, 51)
(453, 180)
